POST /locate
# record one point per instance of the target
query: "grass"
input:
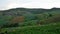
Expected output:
(44, 29)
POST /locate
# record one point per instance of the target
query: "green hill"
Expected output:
(30, 21)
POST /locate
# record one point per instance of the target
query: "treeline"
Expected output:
(28, 17)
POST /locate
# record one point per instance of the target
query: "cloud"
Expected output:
(47, 4)
(7, 4)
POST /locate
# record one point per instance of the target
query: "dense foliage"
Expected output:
(30, 21)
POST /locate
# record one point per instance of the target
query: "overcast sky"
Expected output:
(8, 4)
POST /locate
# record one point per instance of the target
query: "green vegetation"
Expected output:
(44, 29)
(30, 21)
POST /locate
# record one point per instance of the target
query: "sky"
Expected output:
(47, 4)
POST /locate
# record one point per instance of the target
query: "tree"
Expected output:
(50, 15)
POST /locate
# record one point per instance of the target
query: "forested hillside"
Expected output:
(25, 19)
